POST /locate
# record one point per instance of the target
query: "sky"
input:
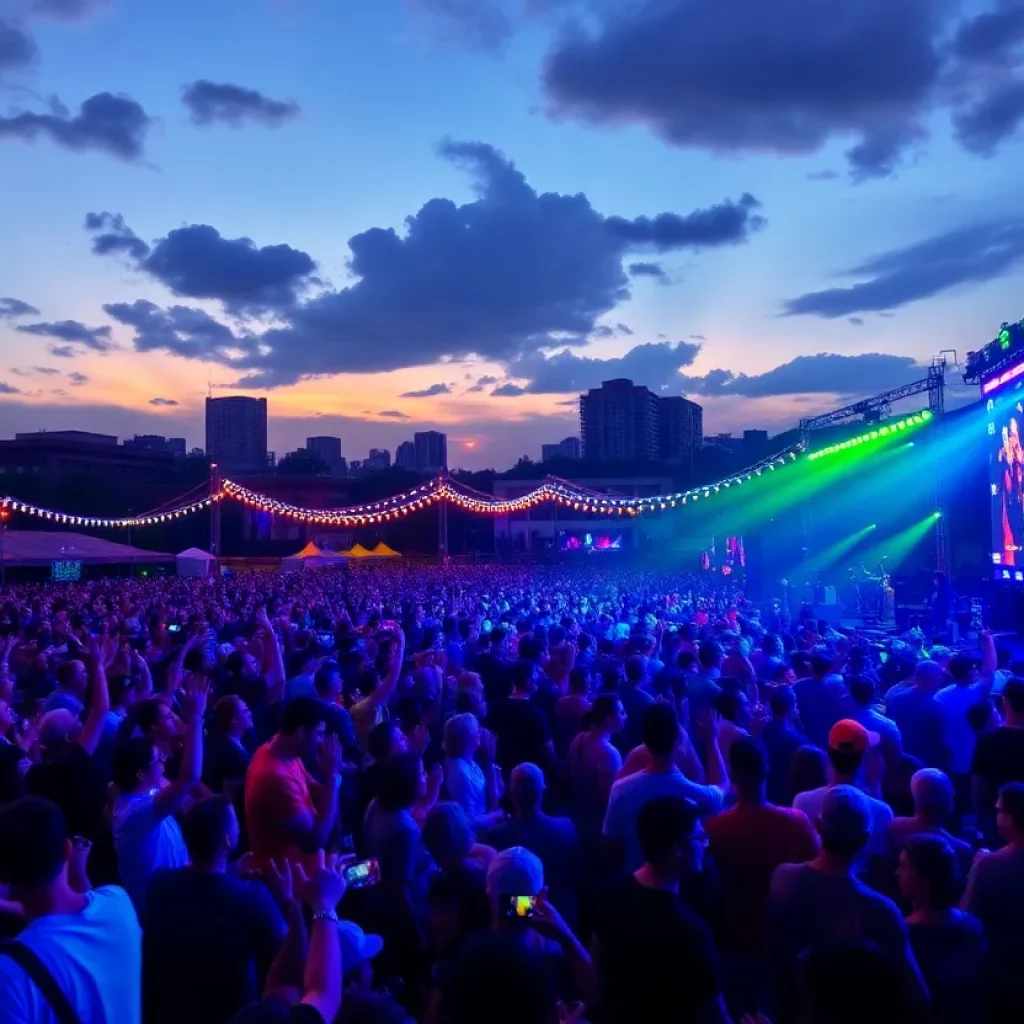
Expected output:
(395, 215)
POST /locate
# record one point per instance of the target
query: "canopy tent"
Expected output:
(41, 547)
(312, 557)
(195, 562)
(383, 551)
(358, 551)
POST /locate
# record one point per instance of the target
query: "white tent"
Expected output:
(195, 562)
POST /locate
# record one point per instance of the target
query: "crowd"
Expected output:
(385, 794)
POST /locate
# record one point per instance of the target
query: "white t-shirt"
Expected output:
(881, 817)
(466, 786)
(628, 795)
(144, 842)
(94, 956)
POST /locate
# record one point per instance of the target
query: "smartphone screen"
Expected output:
(883, 656)
(174, 629)
(362, 874)
(520, 906)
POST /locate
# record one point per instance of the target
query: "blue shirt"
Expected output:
(921, 720)
(820, 705)
(144, 842)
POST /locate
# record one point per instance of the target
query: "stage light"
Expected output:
(936, 515)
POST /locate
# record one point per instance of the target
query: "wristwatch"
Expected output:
(325, 915)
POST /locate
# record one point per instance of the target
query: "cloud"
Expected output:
(855, 321)
(163, 402)
(46, 371)
(434, 389)
(115, 125)
(654, 364)
(394, 414)
(502, 276)
(825, 175)
(508, 391)
(8, 389)
(485, 381)
(476, 24)
(17, 48)
(223, 103)
(870, 73)
(11, 308)
(66, 10)
(62, 351)
(994, 117)
(698, 337)
(963, 256)
(726, 223)
(655, 270)
(824, 373)
(196, 262)
(77, 379)
(180, 330)
(73, 331)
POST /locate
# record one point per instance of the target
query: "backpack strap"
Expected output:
(41, 977)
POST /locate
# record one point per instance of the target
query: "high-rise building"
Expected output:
(405, 455)
(680, 430)
(567, 448)
(328, 451)
(236, 433)
(156, 443)
(619, 422)
(379, 459)
(431, 451)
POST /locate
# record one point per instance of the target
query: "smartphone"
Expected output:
(520, 906)
(362, 874)
(883, 656)
(174, 628)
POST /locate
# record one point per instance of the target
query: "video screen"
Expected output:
(1005, 423)
(571, 540)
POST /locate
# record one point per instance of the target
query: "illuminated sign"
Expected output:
(1004, 378)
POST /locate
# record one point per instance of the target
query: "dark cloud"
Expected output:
(485, 381)
(394, 414)
(163, 402)
(180, 330)
(477, 24)
(106, 123)
(655, 364)
(623, 329)
(72, 331)
(825, 175)
(508, 391)
(17, 48)
(505, 275)
(11, 308)
(46, 371)
(8, 389)
(963, 256)
(727, 223)
(994, 117)
(824, 373)
(112, 235)
(66, 10)
(855, 321)
(434, 389)
(869, 71)
(196, 262)
(698, 337)
(62, 351)
(223, 103)
(76, 380)
(655, 270)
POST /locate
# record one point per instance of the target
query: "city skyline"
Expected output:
(261, 205)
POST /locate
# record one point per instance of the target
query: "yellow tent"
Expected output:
(309, 551)
(383, 551)
(358, 551)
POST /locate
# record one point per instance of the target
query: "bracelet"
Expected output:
(325, 915)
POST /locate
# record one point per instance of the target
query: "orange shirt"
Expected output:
(277, 790)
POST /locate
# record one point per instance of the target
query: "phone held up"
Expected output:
(519, 906)
(362, 874)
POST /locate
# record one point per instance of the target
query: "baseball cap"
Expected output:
(851, 737)
(515, 872)
(356, 946)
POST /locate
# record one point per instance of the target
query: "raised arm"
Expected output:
(99, 697)
(171, 797)
(382, 693)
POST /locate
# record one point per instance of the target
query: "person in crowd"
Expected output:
(635, 701)
(652, 952)
(748, 842)
(521, 727)
(854, 760)
(972, 682)
(933, 813)
(999, 757)
(552, 839)
(571, 709)
(995, 896)
(592, 764)
(225, 756)
(921, 718)
(661, 777)
(289, 814)
(146, 834)
(781, 739)
(80, 948)
(808, 771)
(948, 944)
(823, 901)
(472, 787)
(819, 699)
(203, 924)
(860, 706)
(360, 1004)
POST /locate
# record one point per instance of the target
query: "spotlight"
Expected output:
(936, 515)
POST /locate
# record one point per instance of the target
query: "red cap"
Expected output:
(851, 737)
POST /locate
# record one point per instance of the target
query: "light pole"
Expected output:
(4, 513)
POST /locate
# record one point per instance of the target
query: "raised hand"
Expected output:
(197, 692)
(329, 758)
(324, 887)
